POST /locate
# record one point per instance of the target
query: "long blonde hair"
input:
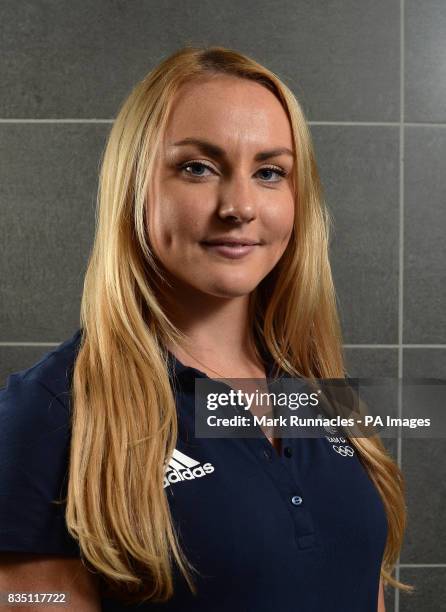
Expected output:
(124, 420)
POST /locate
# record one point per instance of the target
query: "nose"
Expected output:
(237, 200)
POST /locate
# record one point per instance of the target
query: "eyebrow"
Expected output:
(214, 150)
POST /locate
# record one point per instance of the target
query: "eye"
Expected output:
(197, 166)
(275, 170)
(197, 169)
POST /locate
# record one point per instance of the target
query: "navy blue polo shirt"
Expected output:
(302, 530)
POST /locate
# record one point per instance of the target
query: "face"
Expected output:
(223, 175)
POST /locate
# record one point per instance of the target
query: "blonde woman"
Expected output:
(210, 260)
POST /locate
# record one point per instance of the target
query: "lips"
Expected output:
(231, 242)
(230, 250)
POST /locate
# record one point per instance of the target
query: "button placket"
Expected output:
(289, 489)
(279, 470)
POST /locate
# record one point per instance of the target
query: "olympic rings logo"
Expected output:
(344, 451)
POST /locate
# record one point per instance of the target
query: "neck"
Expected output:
(218, 331)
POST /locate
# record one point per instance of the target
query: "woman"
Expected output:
(210, 260)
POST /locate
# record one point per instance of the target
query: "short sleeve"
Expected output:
(34, 454)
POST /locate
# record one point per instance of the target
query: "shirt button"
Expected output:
(296, 500)
(288, 451)
(267, 453)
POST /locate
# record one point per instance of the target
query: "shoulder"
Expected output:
(46, 383)
(35, 408)
(52, 371)
(34, 453)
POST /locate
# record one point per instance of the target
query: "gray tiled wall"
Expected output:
(372, 79)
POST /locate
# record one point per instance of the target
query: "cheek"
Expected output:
(161, 221)
(280, 219)
(173, 220)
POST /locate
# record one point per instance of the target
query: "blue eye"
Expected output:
(271, 170)
(195, 165)
(275, 170)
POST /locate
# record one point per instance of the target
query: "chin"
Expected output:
(229, 290)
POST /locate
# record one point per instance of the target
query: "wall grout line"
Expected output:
(347, 346)
(334, 123)
(427, 124)
(422, 565)
(64, 120)
(429, 346)
(395, 346)
(30, 343)
(399, 449)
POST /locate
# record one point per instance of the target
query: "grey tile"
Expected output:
(359, 170)
(389, 598)
(429, 399)
(424, 236)
(48, 181)
(425, 363)
(60, 60)
(424, 468)
(375, 363)
(369, 362)
(430, 589)
(425, 68)
(16, 358)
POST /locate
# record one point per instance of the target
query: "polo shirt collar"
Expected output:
(182, 371)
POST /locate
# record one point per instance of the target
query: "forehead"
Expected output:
(228, 111)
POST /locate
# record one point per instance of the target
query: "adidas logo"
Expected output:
(181, 467)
